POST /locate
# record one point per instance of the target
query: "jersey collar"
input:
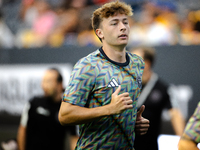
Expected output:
(116, 63)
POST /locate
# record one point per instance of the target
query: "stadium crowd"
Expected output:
(56, 23)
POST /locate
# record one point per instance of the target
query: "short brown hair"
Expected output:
(109, 9)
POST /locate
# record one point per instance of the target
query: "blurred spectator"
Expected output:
(6, 36)
(56, 3)
(191, 135)
(28, 12)
(156, 26)
(65, 27)
(39, 128)
(70, 22)
(66, 22)
(91, 39)
(167, 17)
(155, 97)
(41, 27)
(100, 2)
(190, 29)
(77, 4)
(85, 29)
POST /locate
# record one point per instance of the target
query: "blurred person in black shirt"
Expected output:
(155, 97)
(39, 128)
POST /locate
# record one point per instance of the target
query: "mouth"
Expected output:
(123, 36)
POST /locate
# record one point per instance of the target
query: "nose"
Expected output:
(122, 26)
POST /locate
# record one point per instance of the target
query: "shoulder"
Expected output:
(162, 83)
(88, 63)
(135, 58)
(91, 59)
(36, 99)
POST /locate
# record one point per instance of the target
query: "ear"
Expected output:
(60, 86)
(148, 64)
(99, 33)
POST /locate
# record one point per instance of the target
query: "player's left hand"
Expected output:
(142, 124)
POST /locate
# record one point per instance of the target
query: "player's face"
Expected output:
(115, 30)
(49, 83)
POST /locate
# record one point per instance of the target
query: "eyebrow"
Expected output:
(124, 19)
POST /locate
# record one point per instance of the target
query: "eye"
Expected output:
(113, 24)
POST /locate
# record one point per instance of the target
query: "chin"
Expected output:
(122, 44)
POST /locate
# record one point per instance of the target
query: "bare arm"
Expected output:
(21, 137)
(73, 141)
(185, 143)
(73, 114)
(177, 121)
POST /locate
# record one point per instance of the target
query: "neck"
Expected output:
(115, 53)
(57, 98)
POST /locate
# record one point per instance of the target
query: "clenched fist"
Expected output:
(120, 102)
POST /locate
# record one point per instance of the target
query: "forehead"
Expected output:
(117, 16)
(50, 74)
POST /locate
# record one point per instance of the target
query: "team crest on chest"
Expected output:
(139, 81)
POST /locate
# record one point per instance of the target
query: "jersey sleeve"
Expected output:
(141, 65)
(139, 62)
(24, 116)
(81, 83)
(192, 129)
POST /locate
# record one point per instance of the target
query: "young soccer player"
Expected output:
(104, 86)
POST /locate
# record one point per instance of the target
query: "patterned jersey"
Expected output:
(192, 129)
(93, 80)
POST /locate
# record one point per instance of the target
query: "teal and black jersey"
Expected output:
(93, 81)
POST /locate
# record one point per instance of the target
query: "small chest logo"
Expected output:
(113, 83)
(43, 111)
